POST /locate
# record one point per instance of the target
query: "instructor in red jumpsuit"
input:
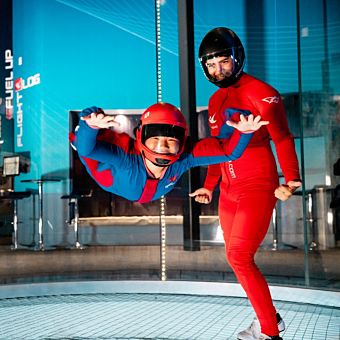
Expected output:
(250, 185)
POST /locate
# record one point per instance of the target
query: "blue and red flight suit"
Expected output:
(116, 164)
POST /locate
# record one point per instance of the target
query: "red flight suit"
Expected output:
(247, 187)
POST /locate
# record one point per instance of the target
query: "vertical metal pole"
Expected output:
(191, 211)
(304, 209)
(40, 224)
(313, 243)
(15, 224)
(159, 99)
(275, 230)
(76, 223)
(163, 238)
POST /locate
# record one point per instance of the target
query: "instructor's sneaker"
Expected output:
(253, 332)
(267, 337)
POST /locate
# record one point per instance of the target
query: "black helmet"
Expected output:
(220, 42)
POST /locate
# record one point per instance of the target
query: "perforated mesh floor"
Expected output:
(153, 316)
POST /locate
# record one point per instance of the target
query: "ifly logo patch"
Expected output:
(212, 119)
(172, 181)
(271, 100)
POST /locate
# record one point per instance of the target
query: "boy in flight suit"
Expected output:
(144, 169)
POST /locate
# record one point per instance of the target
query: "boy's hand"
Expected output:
(98, 120)
(202, 195)
(247, 124)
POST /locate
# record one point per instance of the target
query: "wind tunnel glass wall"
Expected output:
(269, 35)
(72, 54)
(69, 55)
(320, 75)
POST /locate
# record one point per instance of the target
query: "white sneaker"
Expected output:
(267, 337)
(253, 332)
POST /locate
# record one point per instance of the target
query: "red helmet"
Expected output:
(161, 119)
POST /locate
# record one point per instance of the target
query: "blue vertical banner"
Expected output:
(6, 76)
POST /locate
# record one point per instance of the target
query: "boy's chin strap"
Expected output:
(160, 162)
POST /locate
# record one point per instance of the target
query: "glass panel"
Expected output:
(268, 36)
(320, 98)
(69, 55)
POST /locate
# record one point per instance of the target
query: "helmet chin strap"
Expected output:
(154, 163)
(161, 165)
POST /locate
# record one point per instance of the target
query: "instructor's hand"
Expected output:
(202, 195)
(248, 124)
(285, 191)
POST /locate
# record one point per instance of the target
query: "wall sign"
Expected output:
(13, 90)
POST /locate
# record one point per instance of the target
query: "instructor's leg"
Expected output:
(245, 222)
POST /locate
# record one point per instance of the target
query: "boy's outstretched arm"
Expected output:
(99, 120)
(91, 121)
